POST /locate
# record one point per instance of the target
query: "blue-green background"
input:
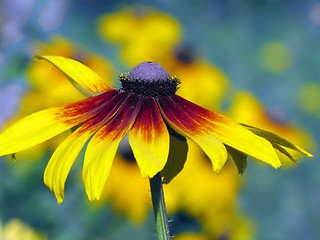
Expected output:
(285, 203)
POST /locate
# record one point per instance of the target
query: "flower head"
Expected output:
(155, 33)
(146, 109)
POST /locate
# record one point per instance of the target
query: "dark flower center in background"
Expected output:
(126, 152)
(149, 79)
(185, 53)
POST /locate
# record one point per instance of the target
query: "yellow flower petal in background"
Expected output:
(15, 229)
(212, 80)
(56, 45)
(212, 195)
(139, 24)
(149, 139)
(82, 77)
(136, 52)
(133, 199)
(191, 236)
(142, 33)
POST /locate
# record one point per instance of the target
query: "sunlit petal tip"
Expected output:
(82, 78)
(59, 198)
(304, 151)
(264, 151)
(277, 141)
(149, 173)
(276, 163)
(217, 169)
(93, 197)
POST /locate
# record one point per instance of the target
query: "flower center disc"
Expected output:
(149, 79)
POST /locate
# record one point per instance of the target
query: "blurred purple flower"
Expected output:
(13, 16)
(53, 14)
(10, 95)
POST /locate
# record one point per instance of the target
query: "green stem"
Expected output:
(159, 207)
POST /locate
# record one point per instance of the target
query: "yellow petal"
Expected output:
(276, 139)
(62, 160)
(34, 129)
(102, 148)
(238, 137)
(149, 139)
(211, 145)
(97, 165)
(83, 78)
(205, 127)
(213, 148)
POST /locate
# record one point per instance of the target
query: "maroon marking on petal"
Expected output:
(85, 109)
(106, 113)
(123, 120)
(187, 116)
(149, 120)
(86, 106)
(194, 109)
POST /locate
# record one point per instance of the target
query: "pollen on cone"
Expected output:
(148, 71)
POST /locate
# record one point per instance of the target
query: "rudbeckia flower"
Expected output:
(185, 63)
(17, 229)
(146, 108)
(155, 33)
(220, 199)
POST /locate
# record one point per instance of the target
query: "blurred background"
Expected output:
(255, 61)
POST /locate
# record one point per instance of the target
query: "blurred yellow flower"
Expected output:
(191, 236)
(142, 33)
(309, 98)
(133, 198)
(275, 57)
(15, 229)
(240, 229)
(211, 80)
(210, 198)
